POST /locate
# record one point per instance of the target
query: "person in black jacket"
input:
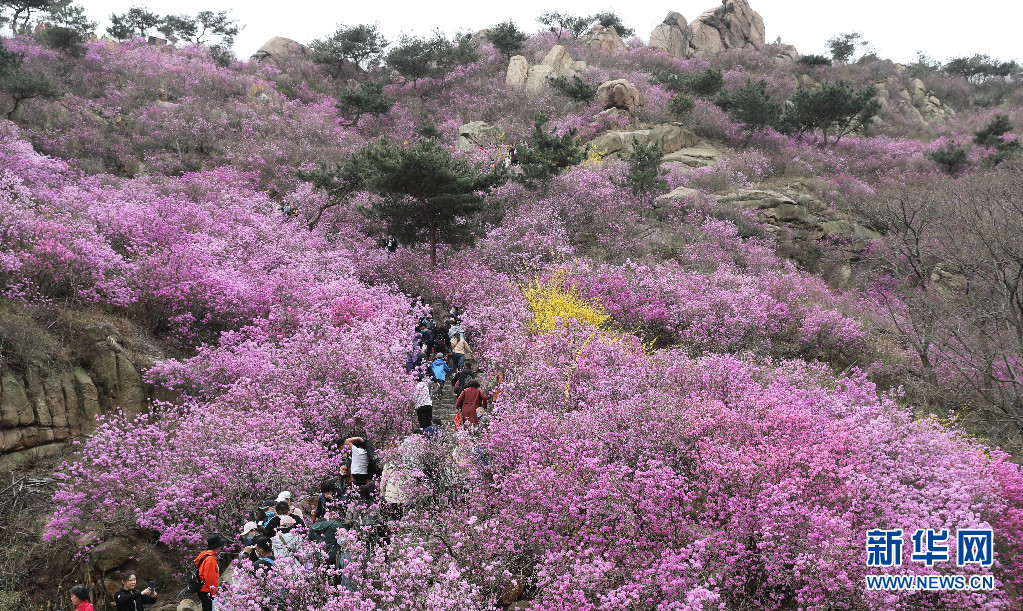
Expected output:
(130, 599)
(283, 521)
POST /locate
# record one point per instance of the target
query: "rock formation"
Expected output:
(44, 405)
(670, 35)
(474, 134)
(668, 138)
(619, 94)
(277, 48)
(557, 63)
(733, 25)
(923, 105)
(606, 40)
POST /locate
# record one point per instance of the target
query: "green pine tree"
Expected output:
(644, 176)
(427, 193)
(547, 154)
(368, 98)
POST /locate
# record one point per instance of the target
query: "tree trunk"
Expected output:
(433, 234)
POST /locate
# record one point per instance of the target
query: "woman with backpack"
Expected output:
(130, 599)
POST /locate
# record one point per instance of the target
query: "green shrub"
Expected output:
(644, 176)
(507, 38)
(752, 106)
(681, 106)
(575, 89)
(705, 83)
(814, 60)
(952, 159)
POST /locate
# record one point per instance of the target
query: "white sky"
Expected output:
(897, 29)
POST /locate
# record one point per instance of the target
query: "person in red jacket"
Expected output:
(80, 598)
(469, 400)
(209, 571)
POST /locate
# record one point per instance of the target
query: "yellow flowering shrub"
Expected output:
(552, 304)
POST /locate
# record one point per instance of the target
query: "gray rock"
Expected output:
(670, 35)
(700, 155)
(474, 134)
(791, 212)
(279, 47)
(518, 69)
(537, 77)
(605, 40)
(619, 93)
(733, 25)
(668, 138)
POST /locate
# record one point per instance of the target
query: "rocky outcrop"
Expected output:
(619, 94)
(668, 138)
(518, 70)
(669, 35)
(697, 156)
(807, 218)
(733, 25)
(785, 54)
(474, 134)
(922, 104)
(277, 48)
(43, 405)
(557, 63)
(605, 40)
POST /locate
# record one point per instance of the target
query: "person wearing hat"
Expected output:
(248, 536)
(296, 511)
(209, 572)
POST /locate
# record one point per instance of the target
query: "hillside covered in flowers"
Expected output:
(713, 373)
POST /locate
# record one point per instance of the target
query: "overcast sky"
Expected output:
(897, 29)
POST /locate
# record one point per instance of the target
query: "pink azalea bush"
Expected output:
(700, 451)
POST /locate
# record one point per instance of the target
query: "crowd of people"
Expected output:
(439, 353)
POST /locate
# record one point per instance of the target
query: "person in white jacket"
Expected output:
(423, 403)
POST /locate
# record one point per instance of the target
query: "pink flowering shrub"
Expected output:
(699, 451)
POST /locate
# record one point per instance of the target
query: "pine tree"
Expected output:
(369, 98)
(547, 154)
(507, 38)
(350, 46)
(832, 108)
(426, 192)
(752, 106)
(644, 176)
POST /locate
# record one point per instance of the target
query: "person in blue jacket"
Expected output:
(440, 369)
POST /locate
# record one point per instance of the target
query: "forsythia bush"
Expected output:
(552, 305)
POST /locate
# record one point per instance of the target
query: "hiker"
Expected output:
(248, 536)
(130, 599)
(296, 510)
(392, 244)
(262, 554)
(423, 402)
(326, 498)
(462, 376)
(440, 371)
(209, 572)
(284, 520)
(414, 358)
(460, 348)
(427, 336)
(433, 430)
(470, 401)
(360, 460)
(80, 598)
